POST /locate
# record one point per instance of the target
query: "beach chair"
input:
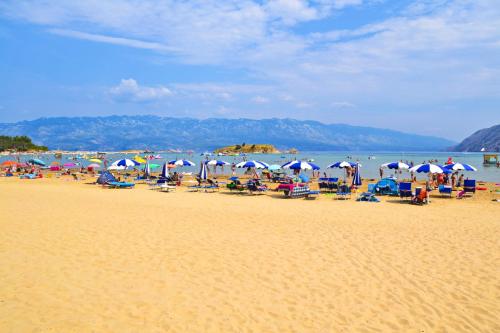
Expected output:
(367, 197)
(120, 185)
(445, 190)
(344, 192)
(255, 186)
(420, 197)
(165, 187)
(405, 190)
(469, 186)
(235, 185)
(313, 194)
(298, 192)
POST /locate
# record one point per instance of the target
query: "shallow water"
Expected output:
(370, 161)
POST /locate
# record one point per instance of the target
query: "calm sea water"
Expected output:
(370, 161)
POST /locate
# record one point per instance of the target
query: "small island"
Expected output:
(248, 149)
(19, 144)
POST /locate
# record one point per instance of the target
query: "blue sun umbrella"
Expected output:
(300, 165)
(395, 165)
(356, 180)
(427, 168)
(252, 164)
(459, 166)
(182, 163)
(125, 163)
(164, 171)
(216, 162)
(203, 172)
(147, 169)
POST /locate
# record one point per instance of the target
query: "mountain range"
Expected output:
(487, 138)
(114, 133)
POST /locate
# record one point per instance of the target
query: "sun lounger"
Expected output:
(120, 185)
(344, 192)
(444, 190)
(165, 187)
(405, 190)
(255, 186)
(28, 176)
(298, 192)
(368, 197)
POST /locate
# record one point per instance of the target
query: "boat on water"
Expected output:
(490, 159)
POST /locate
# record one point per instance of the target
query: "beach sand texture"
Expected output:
(79, 258)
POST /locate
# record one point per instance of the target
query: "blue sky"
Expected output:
(422, 66)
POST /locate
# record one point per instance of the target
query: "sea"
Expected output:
(370, 161)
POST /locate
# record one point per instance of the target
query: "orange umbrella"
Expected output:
(9, 163)
(55, 163)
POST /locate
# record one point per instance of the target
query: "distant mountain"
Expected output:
(488, 138)
(151, 132)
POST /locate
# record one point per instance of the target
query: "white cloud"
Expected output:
(111, 40)
(343, 105)
(431, 53)
(129, 91)
(260, 100)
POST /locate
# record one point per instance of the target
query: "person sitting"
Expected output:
(421, 197)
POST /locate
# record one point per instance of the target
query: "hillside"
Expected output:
(488, 138)
(248, 148)
(18, 143)
(153, 132)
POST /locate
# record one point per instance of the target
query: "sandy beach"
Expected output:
(80, 258)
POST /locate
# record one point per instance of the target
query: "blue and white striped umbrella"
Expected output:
(252, 164)
(459, 166)
(164, 171)
(147, 169)
(182, 163)
(203, 172)
(395, 165)
(300, 165)
(356, 180)
(343, 164)
(125, 163)
(217, 162)
(427, 168)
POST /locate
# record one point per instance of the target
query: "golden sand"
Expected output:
(80, 258)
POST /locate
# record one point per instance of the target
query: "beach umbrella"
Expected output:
(252, 164)
(459, 166)
(55, 163)
(164, 171)
(217, 162)
(154, 166)
(274, 167)
(427, 168)
(95, 160)
(93, 166)
(300, 165)
(36, 161)
(356, 179)
(203, 172)
(116, 167)
(147, 170)
(9, 163)
(70, 165)
(139, 159)
(182, 163)
(395, 165)
(125, 163)
(343, 164)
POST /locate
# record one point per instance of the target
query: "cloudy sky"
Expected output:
(422, 66)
